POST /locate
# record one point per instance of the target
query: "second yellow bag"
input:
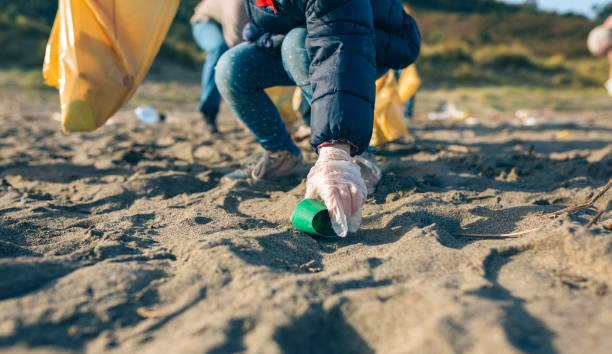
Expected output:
(282, 96)
(388, 113)
(408, 83)
(99, 52)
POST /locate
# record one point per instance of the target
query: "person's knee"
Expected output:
(229, 74)
(295, 59)
(294, 41)
(224, 73)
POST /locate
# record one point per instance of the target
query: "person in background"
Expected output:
(600, 44)
(217, 25)
(409, 82)
(348, 44)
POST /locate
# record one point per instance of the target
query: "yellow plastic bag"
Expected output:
(282, 96)
(388, 113)
(409, 83)
(99, 52)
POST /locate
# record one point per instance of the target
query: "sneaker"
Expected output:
(301, 133)
(264, 165)
(370, 172)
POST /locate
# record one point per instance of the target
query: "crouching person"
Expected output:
(348, 43)
(217, 25)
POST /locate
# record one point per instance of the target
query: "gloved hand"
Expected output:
(336, 179)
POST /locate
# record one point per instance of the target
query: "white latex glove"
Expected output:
(336, 179)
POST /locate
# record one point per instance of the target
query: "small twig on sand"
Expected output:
(147, 313)
(589, 203)
(479, 197)
(512, 235)
(595, 218)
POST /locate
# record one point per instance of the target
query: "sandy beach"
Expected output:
(123, 240)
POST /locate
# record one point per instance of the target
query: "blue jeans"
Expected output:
(243, 73)
(409, 107)
(209, 37)
(296, 64)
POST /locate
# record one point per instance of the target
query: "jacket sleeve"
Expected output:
(341, 46)
(253, 33)
(264, 40)
(398, 41)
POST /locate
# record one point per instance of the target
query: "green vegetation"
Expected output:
(470, 6)
(468, 42)
(603, 11)
(22, 40)
(510, 48)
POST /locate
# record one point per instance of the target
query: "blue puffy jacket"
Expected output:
(347, 40)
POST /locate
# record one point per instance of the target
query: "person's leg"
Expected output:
(409, 107)
(209, 37)
(296, 61)
(296, 64)
(242, 74)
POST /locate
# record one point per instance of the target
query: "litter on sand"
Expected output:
(447, 110)
(312, 217)
(532, 118)
(148, 115)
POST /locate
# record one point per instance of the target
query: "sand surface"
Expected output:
(123, 240)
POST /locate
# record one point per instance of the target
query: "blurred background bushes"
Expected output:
(468, 42)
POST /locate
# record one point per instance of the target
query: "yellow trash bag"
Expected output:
(409, 83)
(99, 52)
(388, 112)
(282, 96)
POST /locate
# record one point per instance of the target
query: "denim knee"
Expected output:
(226, 75)
(294, 40)
(295, 58)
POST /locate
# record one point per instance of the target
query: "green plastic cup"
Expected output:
(312, 217)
